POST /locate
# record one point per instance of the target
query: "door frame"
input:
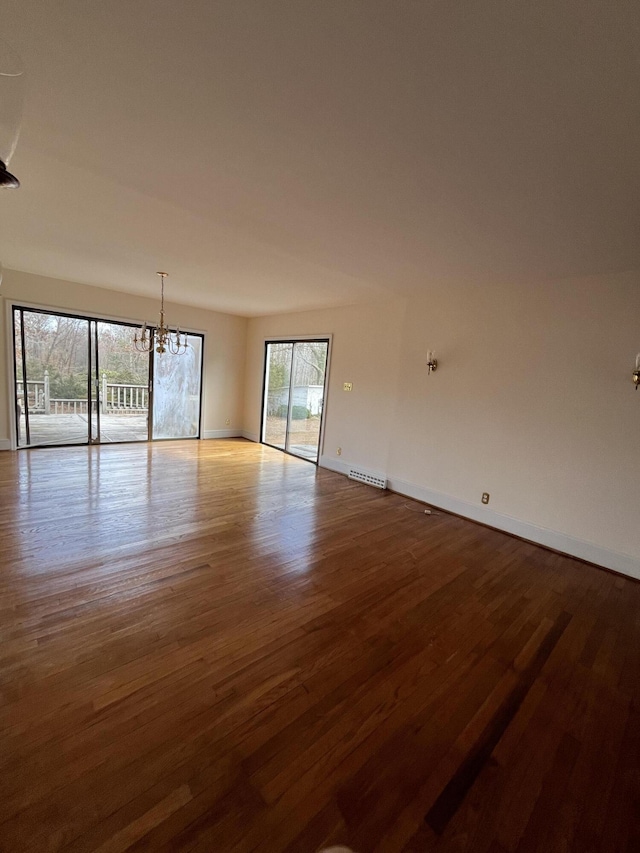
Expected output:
(294, 339)
(13, 303)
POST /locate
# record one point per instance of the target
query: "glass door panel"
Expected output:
(52, 378)
(177, 381)
(307, 398)
(277, 394)
(22, 421)
(122, 398)
(94, 407)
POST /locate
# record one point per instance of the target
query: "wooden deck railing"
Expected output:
(115, 397)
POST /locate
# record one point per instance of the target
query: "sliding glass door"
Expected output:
(177, 392)
(294, 393)
(52, 389)
(277, 394)
(79, 380)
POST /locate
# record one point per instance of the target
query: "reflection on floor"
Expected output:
(306, 451)
(211, 646)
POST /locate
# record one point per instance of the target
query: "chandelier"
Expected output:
(161, 337)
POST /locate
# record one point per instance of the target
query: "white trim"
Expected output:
(250, 436)
(222, 433)
(5, 444)
(563, 542)
(341, 467)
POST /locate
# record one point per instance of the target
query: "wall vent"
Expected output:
(369, 479)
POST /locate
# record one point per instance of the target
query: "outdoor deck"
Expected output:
(73, 429)
(304, 436)
(48, 430)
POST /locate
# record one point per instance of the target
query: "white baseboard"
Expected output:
(222, 433)
(580, 548)
(229, 433)
(341, 467)
(5, 444)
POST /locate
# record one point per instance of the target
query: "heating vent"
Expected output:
(369, 479)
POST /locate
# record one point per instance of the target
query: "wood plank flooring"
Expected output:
(213, 646)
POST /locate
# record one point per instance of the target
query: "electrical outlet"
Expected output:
(228, 421)
(347, 386)
(339, 451)
(485, 497)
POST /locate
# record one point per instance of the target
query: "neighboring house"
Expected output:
(309, 397)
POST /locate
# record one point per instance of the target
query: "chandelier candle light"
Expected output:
(161, 336)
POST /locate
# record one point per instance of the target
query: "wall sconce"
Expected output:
(636, 372)
(432, 361)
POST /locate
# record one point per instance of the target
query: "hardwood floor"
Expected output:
(213, 646)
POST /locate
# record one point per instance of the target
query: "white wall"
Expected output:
(532, 402)
(225, 342)
(360, 421)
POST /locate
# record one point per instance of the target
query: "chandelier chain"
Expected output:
(161, 338)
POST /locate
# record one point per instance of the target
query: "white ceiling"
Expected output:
(276, 155)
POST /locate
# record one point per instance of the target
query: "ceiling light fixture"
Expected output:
(161, 338)
(7, 180)
(11, 100)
